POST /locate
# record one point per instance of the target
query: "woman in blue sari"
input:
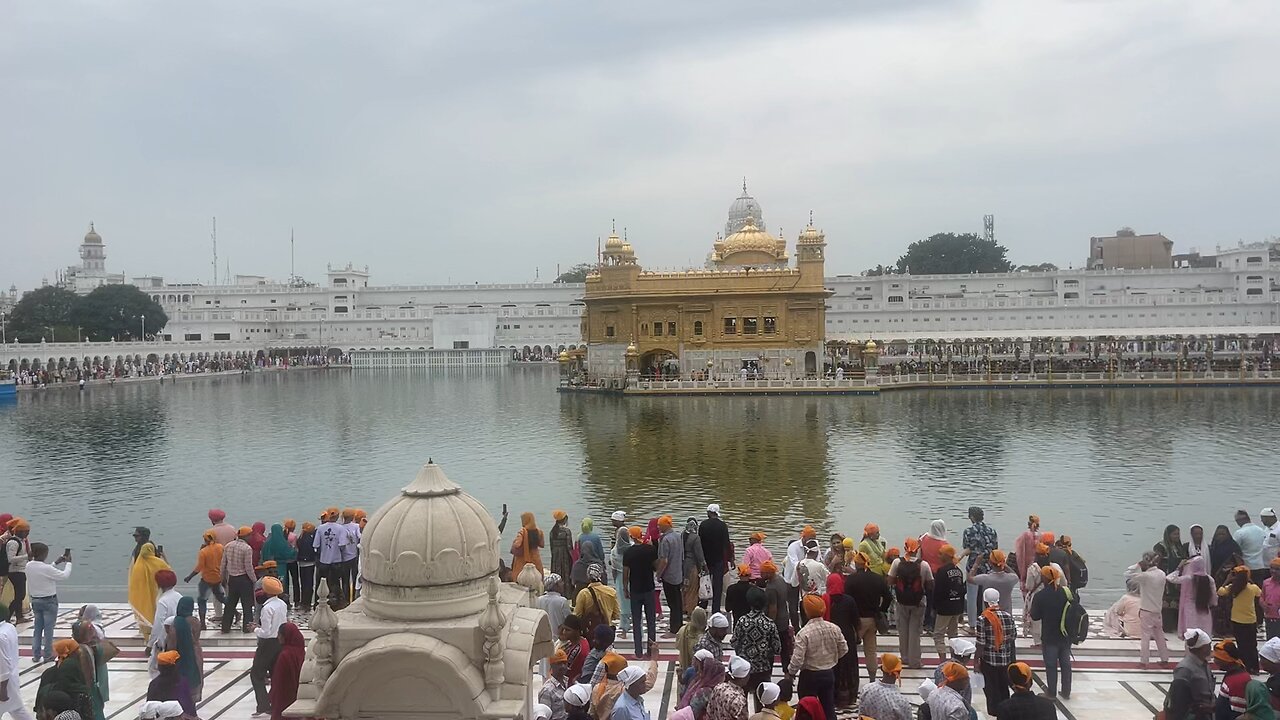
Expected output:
(184, 636)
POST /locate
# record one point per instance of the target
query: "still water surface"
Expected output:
(1109, 467)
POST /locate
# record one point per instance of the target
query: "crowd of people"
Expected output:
(257, 580)
(187, 365)
(805, 615)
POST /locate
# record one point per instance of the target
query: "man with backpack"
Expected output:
(911, 580)
(1059, 628)
(17, 551)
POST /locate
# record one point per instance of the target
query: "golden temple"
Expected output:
(750, 311)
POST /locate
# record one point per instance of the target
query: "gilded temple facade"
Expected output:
(750, 309)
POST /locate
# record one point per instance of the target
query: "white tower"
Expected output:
(93, 255)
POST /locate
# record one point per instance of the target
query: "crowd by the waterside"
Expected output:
(43, 377)
(809, 609)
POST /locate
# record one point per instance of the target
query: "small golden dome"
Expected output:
(563, 356)
(811, 235)
(613, 242)
(870, 346)
(632, 350)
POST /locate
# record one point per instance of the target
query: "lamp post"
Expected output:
(53, 336)
(3, 340)
(144, 329)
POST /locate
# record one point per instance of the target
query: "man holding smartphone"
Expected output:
(42, 583)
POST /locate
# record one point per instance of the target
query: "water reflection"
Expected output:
(1110, 467)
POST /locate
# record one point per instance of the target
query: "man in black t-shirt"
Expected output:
(638, 564)
(714, 535)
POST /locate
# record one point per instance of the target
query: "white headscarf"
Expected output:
(937, 530)
(1202, 548)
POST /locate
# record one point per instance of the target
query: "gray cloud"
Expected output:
(477, 141)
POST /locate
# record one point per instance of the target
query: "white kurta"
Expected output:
(166, 608)
(9, 671)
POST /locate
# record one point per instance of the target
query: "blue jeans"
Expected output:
(971, 604)
(202, 599)
(643, 604)
(1057, 657)
(45, 612)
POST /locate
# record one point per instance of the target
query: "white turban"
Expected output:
(718, 621)
(927, 686)
(769, 693)
(990, 596)
(1196, 638)
(713, 508)
(541, 712)
(578, 695)
(962, 646)
(739, 668)
(630, 675)
(618, 516)
(155, 710)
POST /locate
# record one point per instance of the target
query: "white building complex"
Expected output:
(1238, 292)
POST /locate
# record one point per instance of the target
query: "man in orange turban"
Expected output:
(671, 571)
(552, 692)
(819, 646)
(947, 701)
(882, 698)
(949, 599)
(796, 553)
(1023, 702)
(776, 591)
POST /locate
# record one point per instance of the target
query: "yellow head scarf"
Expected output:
(143, 589)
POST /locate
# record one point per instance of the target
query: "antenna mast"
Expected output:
(292, 274)
(989, 228)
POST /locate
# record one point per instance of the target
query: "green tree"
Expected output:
(576, 274)
(949, 253)
(878, 270)
(40, 309)
(1042, 267)
(116, 312)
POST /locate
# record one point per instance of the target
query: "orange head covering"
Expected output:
(348, 514)
(808, 532)
(1240, 570)
(768, 568)
(744, 571)
(330, 513)
(244, 531)
(1048, 575)
(558, 656)
(892, 553)
(1020, 674)
(1047, 537)
(272, 586)
(361, 514)
(1225, 652)
(636, 532)
(947, 553)
(1275, 563)
(308, 527)
(847, 543)
(18, 525)
(64, 648)
(169, 657)
(998, 558)
(891, 664)
(1042, 548)
(861, 560)
(209, 536)
(758, 537)
(665, 521)
(559, 515)
(870, 529)
(953, 672)
(814, 606)
(290, 524)
(613, 663)
(912, 545)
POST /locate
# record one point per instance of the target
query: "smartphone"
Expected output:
(66, 552)
(160, 550)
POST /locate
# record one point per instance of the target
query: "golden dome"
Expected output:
(751, 239)
(632, 350)
(563, 356)
(811, 235)
(870, 346)
(613, 242)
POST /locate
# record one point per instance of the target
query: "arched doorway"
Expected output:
(810, 364)
(660, 363)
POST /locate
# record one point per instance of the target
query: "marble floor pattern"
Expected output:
(1108, 683)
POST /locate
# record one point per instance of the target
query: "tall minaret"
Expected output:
(93, 255)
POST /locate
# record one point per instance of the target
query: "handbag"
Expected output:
(704, 587)
(109, 650)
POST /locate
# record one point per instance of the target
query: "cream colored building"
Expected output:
(1126, 250)
(750, 309)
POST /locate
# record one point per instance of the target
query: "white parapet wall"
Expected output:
(362, 359)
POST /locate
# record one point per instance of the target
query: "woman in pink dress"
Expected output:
(1197, 594)
(1025, 546)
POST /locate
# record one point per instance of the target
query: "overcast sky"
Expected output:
(478, 141)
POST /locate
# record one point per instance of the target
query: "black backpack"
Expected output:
(1075, 619)
(4, 556)
(908, 584)
(1079, 571)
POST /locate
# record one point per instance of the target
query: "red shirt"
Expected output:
(577, 656)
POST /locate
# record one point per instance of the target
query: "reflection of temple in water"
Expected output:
(676, 455)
